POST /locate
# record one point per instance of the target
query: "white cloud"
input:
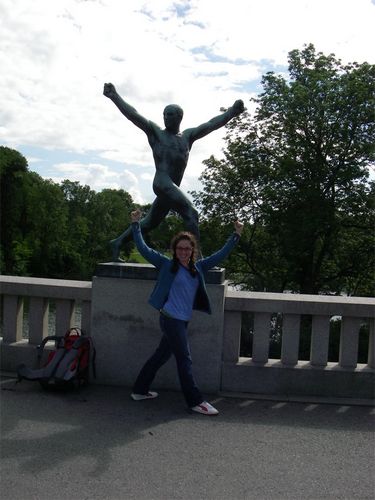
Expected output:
(146, 177)
(31, 159)
(55, 57)
(137, 196)
(99, 177)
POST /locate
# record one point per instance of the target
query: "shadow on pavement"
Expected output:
(112, 447)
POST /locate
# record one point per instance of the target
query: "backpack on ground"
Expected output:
(66, 366)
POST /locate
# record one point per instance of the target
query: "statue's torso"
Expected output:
(171, 154)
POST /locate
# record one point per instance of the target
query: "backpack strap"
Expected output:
(54, 364)
(64, 371)
(41, 373)
(80, 332)
(40, 348)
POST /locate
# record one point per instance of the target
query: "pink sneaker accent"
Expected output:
(205, 409)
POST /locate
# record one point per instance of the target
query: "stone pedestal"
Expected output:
(125, 328)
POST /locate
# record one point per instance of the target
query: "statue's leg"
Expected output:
(157, 212)
(190, 217)
(183, 206)
(117, 242)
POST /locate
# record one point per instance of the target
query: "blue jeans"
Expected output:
(174, 341)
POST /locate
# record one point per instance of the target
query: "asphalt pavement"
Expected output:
(99, 444)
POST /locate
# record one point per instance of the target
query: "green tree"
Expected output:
(45, 227)
(52, 230)
(77, 199)
(297, 170)
(109, 216)
(33, 222)
(13, 167)
(94, 219)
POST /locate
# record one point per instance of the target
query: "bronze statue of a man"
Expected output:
(170, 149)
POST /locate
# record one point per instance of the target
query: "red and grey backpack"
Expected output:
(66, 366)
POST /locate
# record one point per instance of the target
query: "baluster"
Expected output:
(261, 339)
(371, 344)
(319, 340)
(86, 317)
(64, 315)
(12, 318)
(349, 342)
(38, 319)
(232, 335)
(290, 339)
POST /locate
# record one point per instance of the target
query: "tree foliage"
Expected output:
(298, 172)
(12, 168)
(55, 230)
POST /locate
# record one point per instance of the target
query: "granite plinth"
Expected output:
(129, 270)
(125, 330)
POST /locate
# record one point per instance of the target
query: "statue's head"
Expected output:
(173, 114)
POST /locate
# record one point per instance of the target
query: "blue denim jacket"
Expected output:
(163, 264)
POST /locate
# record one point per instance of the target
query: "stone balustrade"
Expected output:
(39, 294)
(123, 320)
(289, 375)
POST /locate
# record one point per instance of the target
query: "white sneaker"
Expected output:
(140, 397)
(205, 408)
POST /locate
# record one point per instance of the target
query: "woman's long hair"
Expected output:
(184, 235)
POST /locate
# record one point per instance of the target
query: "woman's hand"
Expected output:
(136, 215)
(238, 227)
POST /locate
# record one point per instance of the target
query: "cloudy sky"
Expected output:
(202, 54)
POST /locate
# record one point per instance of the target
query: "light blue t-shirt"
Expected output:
(181, 295)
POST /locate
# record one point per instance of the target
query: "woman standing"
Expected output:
(179, 289)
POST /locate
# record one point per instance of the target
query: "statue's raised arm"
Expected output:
(215, 123)
(125, 108)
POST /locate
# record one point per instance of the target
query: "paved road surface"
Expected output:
(99, 444)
